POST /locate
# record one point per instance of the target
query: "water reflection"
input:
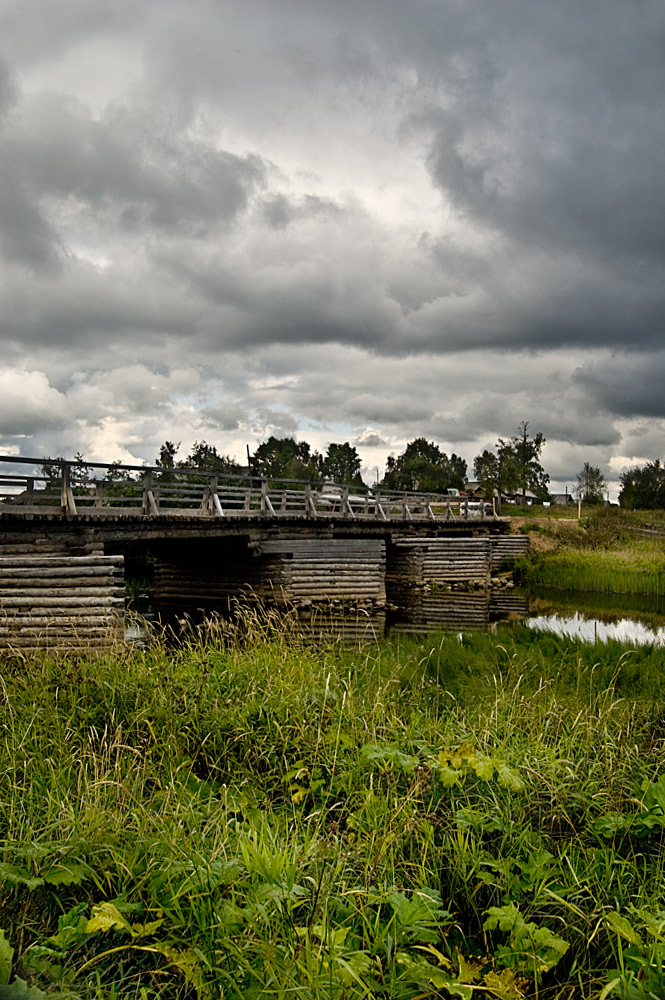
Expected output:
(589, 617)
(456, 611)
(353, 622)
(592, 630)
(592, 617)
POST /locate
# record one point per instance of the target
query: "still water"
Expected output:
(588, 617)
(593, 630)
(598, 617)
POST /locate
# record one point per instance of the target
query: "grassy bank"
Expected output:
(607, 552)
(470, 818)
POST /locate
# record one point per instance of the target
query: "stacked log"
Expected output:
(420, 562)
(327, 569)
(345, 622)
(58, 602)
(506, 604)
(505, 549)
(458, 612)
(336, 586)
(201, 587)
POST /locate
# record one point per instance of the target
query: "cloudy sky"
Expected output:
(362, 220)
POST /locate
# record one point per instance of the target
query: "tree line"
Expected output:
(513, 466)
(276, 458)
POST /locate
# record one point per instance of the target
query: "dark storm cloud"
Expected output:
(280, 211)
(371, 441)
(8, 89)
(433, 218)
(631, 386)
(559, 150)
(128, 166)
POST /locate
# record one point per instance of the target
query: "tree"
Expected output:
(79, 472)
(341, 463)
(205, 457)
(643, 489)
(514, 467)
(120, 482)
(422, 466)
(286, 458)
(487, 470)
(591, 484)
(530, 472)
(167, 454)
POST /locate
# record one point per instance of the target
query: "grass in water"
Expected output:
(477, 816)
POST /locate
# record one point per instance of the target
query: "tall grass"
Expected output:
(621, 571)
(607, 553)
(251, 817)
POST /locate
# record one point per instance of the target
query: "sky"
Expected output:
(359, 220)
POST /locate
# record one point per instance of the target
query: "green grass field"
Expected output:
(476, 817)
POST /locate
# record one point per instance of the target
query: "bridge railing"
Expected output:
(60, 487)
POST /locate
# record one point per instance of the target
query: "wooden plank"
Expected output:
(60, 561)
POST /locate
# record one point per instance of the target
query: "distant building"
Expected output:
(562, 499)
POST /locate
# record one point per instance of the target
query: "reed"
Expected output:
(249, 816)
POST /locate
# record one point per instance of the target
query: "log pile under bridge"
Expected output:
(61, 602)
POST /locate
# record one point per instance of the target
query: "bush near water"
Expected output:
(478, 816)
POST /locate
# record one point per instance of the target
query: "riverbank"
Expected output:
(252, 817)
(610, 551)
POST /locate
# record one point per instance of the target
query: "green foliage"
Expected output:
(286, 458)
(167, 454)
(342, 464)
(606, 554)
(529, 949)
(514, 466)
(18, 989)
(639, 947)
(424, 467)
(205, 457)
(454, 816)
(643, 488)
(591, 484)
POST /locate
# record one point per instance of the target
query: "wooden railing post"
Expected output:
(213, 501)
(67, 501)
(149, 502)
(310, 506)
(346, 504)
(378, 508)
(266, 505)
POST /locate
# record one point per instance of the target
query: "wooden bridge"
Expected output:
(70, 530)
